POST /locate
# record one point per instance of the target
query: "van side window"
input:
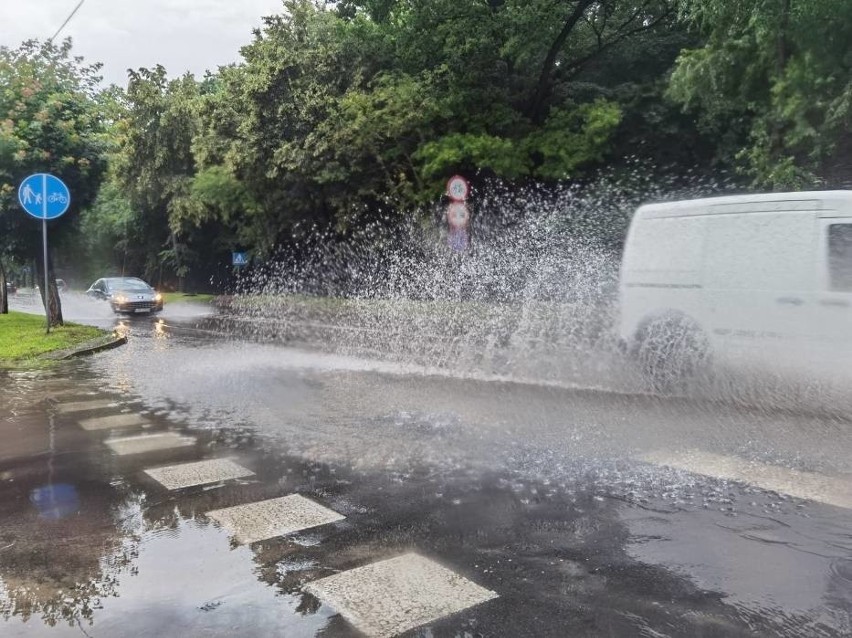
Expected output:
(840, 256)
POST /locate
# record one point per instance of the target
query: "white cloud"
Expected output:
(182, 35)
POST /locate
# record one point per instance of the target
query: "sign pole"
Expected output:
(44, 197)
(458, 214)
(44, 246)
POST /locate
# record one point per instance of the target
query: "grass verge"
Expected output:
(171, 297)
(22, 337)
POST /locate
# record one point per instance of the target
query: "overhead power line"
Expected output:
(67, 20)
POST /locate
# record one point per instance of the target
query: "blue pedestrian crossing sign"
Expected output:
(44, 196)
(239, 259)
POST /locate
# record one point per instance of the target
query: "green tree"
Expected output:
(268, 117)
(339, 112)
(154, 166)
(774, 81)
(50, 121)
(106, 240)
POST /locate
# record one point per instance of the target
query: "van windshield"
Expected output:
(840, 256)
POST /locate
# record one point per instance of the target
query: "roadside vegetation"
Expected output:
(22, 337)
(350, 113)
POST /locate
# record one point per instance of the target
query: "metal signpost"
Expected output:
(44, 197)
(458, 214)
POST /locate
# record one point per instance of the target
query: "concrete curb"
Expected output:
(107, 342)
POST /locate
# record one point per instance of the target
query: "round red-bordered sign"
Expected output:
(458, 215)
(458, 188)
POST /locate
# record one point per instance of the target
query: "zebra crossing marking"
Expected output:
(261, 520)
(390, 597)
(175, 477)
(114, 421)
(143, 443)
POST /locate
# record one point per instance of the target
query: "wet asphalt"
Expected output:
(539, 494)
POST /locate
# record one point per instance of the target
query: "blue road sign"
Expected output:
(239, 259)
(44, 196)
(56, 501)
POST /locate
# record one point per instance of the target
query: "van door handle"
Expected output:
(836, 303)
(790, 301)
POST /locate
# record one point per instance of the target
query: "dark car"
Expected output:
(11, 288)
(128, 295)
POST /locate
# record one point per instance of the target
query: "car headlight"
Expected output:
(120, 298)
(158, 297)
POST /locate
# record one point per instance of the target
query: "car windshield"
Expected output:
(129, 285)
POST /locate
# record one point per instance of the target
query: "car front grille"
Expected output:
(139, 304)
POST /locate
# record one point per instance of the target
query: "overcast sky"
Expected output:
(182, 35)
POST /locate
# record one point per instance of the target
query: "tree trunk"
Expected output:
(782, 44)
(52, 305)
(781, 59)
(4, 297)
(536, 109)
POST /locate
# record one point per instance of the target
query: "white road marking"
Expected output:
(806, 485)
(114, 421)
(42, 394)
(148, 443)
(83, 406)
(175, 477)
(392, 596)
(274, 517)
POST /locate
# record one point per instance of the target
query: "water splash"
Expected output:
(533, 298)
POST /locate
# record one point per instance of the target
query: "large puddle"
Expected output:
(89, 543)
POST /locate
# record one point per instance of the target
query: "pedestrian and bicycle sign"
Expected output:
(44, 196)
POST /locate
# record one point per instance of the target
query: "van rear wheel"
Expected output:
(671, 351)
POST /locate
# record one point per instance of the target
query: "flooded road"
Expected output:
(151, 490)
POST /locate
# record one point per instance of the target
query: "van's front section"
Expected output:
(833, 307)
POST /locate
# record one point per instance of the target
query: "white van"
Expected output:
(754, 279)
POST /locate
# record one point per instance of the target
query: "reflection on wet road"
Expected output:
(195, 484)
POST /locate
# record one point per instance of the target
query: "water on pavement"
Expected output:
(574, 506)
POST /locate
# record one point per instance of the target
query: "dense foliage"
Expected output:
(342, 113)
(52, 120)
(774, 81)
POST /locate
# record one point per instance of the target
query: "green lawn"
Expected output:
(22, 337)
(170, 297)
